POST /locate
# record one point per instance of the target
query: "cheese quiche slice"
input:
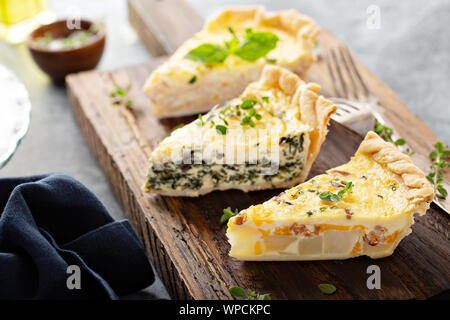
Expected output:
(266, 138)
(364, 207)
(231, 50)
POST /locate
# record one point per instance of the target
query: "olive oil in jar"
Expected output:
(19, 17)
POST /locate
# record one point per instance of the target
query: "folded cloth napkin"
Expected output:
(57, 241)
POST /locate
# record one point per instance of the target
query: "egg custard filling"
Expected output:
(266, 138)
(364, 207)
(231, 50)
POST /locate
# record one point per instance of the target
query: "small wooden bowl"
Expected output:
(59, 63)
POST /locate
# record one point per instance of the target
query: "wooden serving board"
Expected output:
(184, 237)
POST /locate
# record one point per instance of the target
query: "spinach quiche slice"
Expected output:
(266, 138)
(364, 207)
(231, 50)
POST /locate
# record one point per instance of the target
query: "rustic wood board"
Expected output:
(183, 236)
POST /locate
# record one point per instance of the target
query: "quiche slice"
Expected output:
(231, 50)
(266, 138)
(364, 207)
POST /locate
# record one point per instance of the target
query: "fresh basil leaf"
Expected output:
(232, 45)
(208, 53)
(400, 142)
(256, 45)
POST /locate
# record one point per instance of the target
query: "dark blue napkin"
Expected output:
(51, 222)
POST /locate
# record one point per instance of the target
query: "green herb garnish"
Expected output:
(208, 53)
(193, 79)
(221, 129)
(238, 292)
(178, 127)
(386, 132)
(248, 103)
(200, 121)
(327, 288)
(269, 60)
(438, 158)
(120, 96)
(254, 45)
(227, 214)
(329, 196)
(247, 116)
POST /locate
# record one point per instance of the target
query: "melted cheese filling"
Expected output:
(278, 118)
(287, 52)
(235, 159)
(298, 224)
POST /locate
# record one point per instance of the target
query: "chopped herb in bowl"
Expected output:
(75, 39)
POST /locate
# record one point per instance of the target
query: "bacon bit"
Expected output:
(293, 196)
(240, 218)
(277, 198)
(316, 229)
(380, 229)
(342, 173)
(348, 213)
(337, 185)
(371, 238)
(297, 228)
(376, 236)
(300, 229)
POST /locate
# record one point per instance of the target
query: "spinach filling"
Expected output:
(193, 175)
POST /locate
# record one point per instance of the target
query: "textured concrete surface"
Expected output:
(409, 52)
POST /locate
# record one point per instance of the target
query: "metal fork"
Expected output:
(359, 108)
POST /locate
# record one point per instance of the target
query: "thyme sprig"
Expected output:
(329, 196)
(238, 292)
(227, 214)
(245, 112)
(438, 158)
(120, 96)
(386, 132)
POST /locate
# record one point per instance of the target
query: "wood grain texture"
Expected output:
(184, 237)
(157, 23)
